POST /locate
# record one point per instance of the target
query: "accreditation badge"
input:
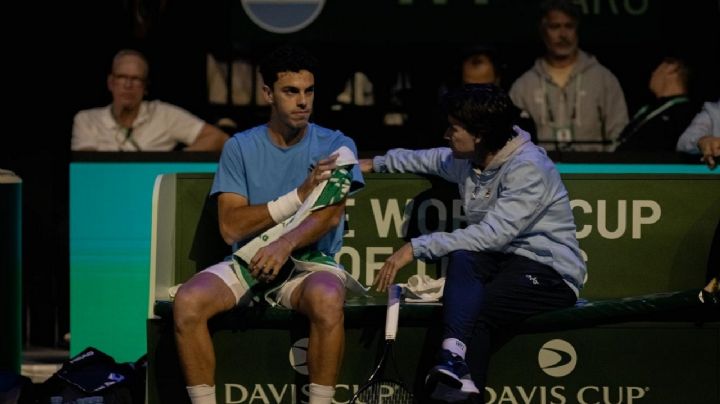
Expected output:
(563, 135)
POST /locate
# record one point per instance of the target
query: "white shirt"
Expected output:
(159, 126)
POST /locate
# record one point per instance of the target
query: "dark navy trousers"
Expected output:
(487, 293)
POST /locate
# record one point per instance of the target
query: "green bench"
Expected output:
(370, 311)
(260, 350)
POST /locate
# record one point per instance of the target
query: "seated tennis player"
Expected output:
(287, 182)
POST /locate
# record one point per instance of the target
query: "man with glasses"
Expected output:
(133, 124)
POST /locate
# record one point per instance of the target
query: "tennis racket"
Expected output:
(380, 387)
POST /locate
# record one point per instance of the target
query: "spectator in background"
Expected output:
(481, 64)
(577, 104)
(658, 125)
(703, 134)
(132, 124)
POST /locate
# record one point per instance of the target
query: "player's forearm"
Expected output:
(242, 222)
(315, 226)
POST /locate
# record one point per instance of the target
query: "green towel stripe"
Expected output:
(243, 273)
(336, 189)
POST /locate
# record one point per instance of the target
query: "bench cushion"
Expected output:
(363, 311)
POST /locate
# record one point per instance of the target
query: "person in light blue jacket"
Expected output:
(517, 257)
(703, 134)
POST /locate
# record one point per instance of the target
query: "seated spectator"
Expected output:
(703, 134)
(132, 124)
(482, 64)
(658, 125)
(576, 102)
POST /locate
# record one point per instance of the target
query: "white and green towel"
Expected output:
(328, 192)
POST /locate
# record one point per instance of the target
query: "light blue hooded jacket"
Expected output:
(705, 123)
(517, 205)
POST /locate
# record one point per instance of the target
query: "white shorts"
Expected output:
(280, 295)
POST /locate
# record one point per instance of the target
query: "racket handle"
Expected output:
(393, 311)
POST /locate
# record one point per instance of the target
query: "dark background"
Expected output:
(57, 57)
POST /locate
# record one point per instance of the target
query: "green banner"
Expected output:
(630, 364)
(639, 233)
(663, 235)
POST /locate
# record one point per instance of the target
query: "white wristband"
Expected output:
(284, 206)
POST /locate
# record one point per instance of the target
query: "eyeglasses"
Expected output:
(134, 81)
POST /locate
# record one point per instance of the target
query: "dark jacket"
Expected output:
(668, 118)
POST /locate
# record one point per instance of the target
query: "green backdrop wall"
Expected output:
(643, 232)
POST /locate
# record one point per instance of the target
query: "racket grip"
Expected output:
(393, 311)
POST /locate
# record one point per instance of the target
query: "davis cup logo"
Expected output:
(283, 16)
(298, 356)
(557, 358)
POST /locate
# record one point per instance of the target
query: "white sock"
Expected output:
(201, 394)
(455, 346)
(320, 394)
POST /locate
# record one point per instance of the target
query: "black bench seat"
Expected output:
(682, 305)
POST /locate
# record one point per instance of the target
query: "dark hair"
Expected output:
(286, 59)
(490, 51)
(684, 71)
(566, 6)
(484, 110)
(479, 49)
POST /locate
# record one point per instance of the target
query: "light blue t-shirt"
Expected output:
(254, 167)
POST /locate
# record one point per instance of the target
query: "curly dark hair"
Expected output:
(484, 110)
(286, 59)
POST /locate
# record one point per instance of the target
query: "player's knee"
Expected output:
(186, 308)
(325, 304)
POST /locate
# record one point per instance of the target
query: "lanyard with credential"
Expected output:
(548, 107)
(129, 138)
(126, 134)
